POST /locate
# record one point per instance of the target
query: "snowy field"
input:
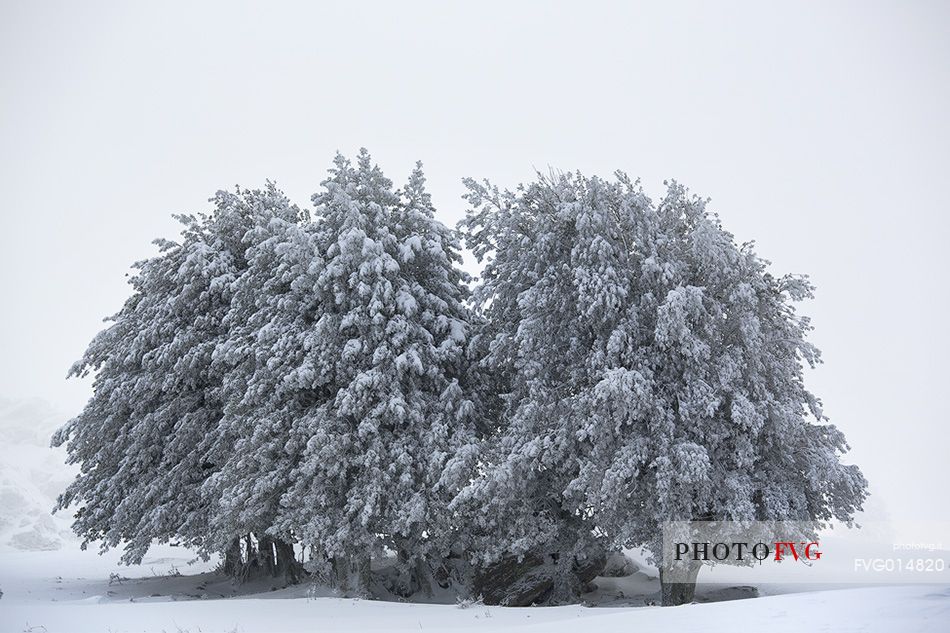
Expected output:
(71, 592)
(49, 585)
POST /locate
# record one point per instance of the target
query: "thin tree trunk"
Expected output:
(250, 554)
(232, 558)
(418, 571)
(352, 574)
(265, 552)
(339, 566)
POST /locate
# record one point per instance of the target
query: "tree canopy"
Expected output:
(327, 379)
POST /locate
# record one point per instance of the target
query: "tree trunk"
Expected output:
(241, 559)
(287, 564)
(250, 554)
(418, 572)
(421, 577)
(565, 586)
(265, 553)
(232, 558)
(677, 593)
(352, 574)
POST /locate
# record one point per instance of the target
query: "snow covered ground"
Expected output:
(49, 585)
(74, 591)
(71, 592)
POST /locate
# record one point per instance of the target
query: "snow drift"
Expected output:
(31, 476)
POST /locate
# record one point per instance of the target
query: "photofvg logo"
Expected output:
(792, 551)
(741, 551)
(687, 545)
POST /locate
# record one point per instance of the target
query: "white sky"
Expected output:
(819, 129)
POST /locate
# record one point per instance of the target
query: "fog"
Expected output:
(819, 130)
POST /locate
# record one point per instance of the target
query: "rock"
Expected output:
(591, 566)
(521, 582)
(741, 592)
(510, 581)
(619, 565)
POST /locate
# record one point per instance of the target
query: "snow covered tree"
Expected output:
(277, 381)
(381, 450)
(654, 372)
(145, 438)
(267, 385)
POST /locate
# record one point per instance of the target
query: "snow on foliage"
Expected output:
(292, 378)
(325, 379)
(650, 370)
